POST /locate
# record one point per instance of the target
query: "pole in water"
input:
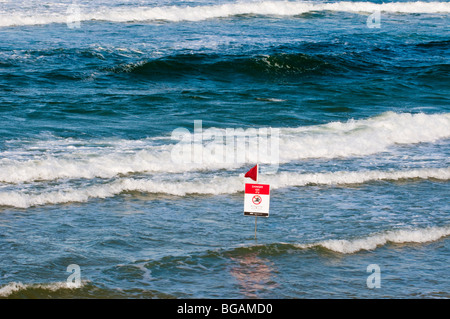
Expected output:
(257, 173)
(256, 218)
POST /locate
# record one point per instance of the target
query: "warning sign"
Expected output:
(257, 200)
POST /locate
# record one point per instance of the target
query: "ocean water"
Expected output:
(120, 124)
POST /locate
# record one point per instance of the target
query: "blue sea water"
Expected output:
(93, 93)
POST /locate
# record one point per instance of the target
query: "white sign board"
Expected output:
(257, 200)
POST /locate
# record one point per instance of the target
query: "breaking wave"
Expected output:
(351, 246)
(204, 12)
(211, 186)
(401, 236)
(28, 290)
(72, 159)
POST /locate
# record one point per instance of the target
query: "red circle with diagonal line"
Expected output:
(256, 200)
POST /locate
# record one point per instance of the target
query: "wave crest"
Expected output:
(401, 236)
(214, 186)
(275, 65)
(333, 140)
(21, 288)
(204, 12)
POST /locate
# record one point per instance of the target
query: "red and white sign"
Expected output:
(257, 200)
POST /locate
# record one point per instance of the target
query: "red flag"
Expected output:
(253, 173)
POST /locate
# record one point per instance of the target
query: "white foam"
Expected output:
(14, 287)
(371, 242)
(210, 186)
(203, 12)
(362, 137)
(70, 159)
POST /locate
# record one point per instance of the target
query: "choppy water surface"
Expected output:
(93, 95)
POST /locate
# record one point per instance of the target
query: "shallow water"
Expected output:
(94, 170)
